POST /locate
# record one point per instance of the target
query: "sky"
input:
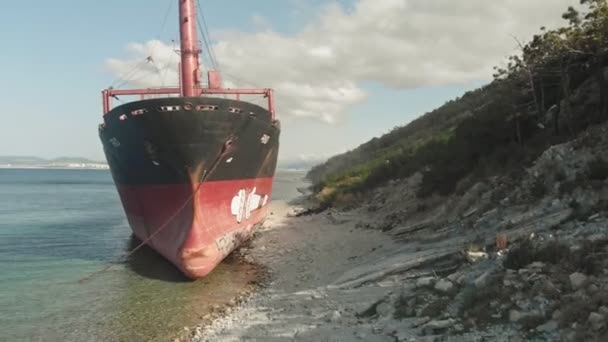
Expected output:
(344, 71)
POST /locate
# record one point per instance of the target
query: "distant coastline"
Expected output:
(76, 163)
(28, 162)
(56, 167)
(99, 166)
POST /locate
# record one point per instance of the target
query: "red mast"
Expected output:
(190, 69)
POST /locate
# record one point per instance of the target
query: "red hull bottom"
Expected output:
(218, 216)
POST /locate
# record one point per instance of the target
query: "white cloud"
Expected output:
(319, 72)
(135, 70)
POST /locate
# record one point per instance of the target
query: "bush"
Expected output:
(587, 259)
(567, 188)
(526, 253)
(597, 169)
(538, 189)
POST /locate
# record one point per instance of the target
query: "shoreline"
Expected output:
(303, 260)
(345, 276)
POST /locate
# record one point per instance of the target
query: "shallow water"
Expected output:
(58, 226)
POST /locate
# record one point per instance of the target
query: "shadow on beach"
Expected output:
(147, 263)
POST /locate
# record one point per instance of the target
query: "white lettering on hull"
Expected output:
(244, 203)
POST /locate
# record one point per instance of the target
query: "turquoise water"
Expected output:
(59, 226)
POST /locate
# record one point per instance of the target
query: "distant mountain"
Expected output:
(304, 163)
(21, 160)
(74, 160)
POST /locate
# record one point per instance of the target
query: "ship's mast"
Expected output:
(190, 80)
(189, 70)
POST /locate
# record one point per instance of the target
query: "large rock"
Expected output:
(425, 281)
(333, 317)
(550, 326)
(456, 277)
(482, 280)
(515, 316)
(537, 265)
(385, 309)
(444, 286)
(438, 326)
(577, 280)
(597, 321)
(474, 257)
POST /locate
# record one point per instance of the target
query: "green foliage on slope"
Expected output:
(555, 87)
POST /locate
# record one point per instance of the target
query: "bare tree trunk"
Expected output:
(601, 82)
(556, 122)
(530, 79)
(567, 108)
(518, 129)
(542, 96)
(534, 96)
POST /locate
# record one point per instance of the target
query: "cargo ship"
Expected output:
(193, 164)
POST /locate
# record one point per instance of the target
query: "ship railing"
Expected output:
(108, 94)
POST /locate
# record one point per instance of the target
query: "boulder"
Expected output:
(444, 285)
(597, 321)
(482, 280)
(577, 280)
(425, 282)
(515, 316)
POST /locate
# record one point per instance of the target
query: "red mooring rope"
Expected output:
(124, 257)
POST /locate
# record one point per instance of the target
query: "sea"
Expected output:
(59, 228)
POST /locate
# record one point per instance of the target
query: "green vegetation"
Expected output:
(553, 89)
(598, 169)
(586, 259)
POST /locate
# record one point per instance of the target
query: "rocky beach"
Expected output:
(503, 261)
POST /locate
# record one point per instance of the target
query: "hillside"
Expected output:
(551, 91)
(500, 199)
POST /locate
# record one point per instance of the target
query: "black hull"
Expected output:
(150, 142)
